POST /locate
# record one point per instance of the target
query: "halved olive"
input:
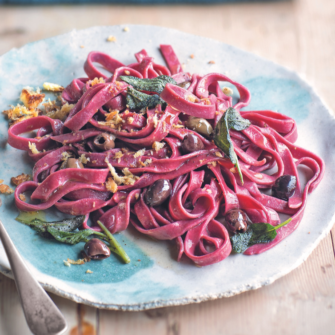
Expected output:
(73, 163)
(158, 192)
(104, 141)
(200, 125)
(96, 249)
(237, 221)
(191, 143)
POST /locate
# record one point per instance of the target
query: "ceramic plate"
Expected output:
(154, 278)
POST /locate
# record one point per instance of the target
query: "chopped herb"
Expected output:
(255, 234)
(150, 85)
(230, 120)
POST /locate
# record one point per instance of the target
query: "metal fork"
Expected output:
(42, 315)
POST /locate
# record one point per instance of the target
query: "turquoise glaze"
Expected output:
(154, 278)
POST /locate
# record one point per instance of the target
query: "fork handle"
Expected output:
(42, 315)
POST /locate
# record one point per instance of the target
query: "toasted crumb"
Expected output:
(83, 159)
(111, 185)
(218, 154)
(127, 72)
(60, 113)
(177, 126)
(82, 46)
(211, 62)
(20, 179)
(30, 98)
(227, 91)
(233, 170)
(53, 87)
(157, 146)
(20, 113)
(111, 38)
(66, 155)
(22, 197)
(212, 163)
(33, 149)
(77, 262)
(96, 81)
(137, 196)
(258, 175)
(130, 120)
(126, 29)
(139, 153)
(147, 161)
(66, 263)
(209, 191)
(5, 189)
(113, 119)
(89, 271)
(192, 56)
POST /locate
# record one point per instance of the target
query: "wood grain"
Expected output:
(297, 34)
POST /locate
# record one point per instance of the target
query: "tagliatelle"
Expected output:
(205, 184)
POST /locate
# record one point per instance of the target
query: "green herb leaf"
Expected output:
(230, 120)
(70, 237)
(114, 244)
(26, 217)
(256, 233)
(138, 100)
(65, 225)
(150, 85)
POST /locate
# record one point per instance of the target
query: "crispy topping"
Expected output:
(20, 113)
(113, 119)
(20, 179)
(130, 120)
(157, 146)
(30, 98)
(111, 38)
(258, 175)
(227, 91)
(5, 189)
(126, 29)
(96, 81)
(66, 155)
(89, 271)
(22, 197)
(57, 112)
(111, 185)
(139, 153)
(192, 56)
(155, 120)
(218, 154)
(53, 87)
(128, 179)
(83, 159)
(127, 72)
(69, 261)
(211, 62)
(212, 163)
(33, 149)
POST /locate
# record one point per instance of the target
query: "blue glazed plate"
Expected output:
(154, 278)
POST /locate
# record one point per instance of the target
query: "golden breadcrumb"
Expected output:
(53, 87)
(30, 98)
(20, 179)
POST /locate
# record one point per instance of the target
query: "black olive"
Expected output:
(158, 192)
(191, 143)
(96, 249)
(104, 142)
(73, 163)
(284, 187)
(237, 221)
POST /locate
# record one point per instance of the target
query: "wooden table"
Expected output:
(298, 34)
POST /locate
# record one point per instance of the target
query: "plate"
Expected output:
(154, 278)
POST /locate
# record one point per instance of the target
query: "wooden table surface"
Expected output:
(297, 34)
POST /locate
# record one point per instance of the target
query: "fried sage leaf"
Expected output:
(70, 237)
(138, 100)
(150, 85)
(65, 225)
(230, 120)
(255, 234)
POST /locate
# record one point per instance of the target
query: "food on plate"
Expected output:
(169, 152)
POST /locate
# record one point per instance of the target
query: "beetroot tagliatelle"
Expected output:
(112, 185)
